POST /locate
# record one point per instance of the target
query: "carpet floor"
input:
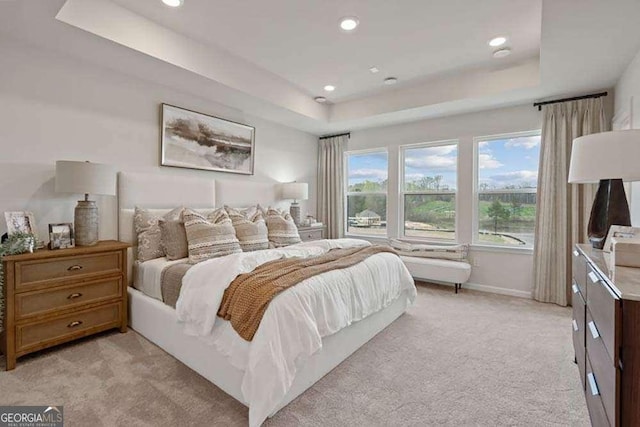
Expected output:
(455, 360)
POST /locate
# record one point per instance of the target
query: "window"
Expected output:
(429, 190)
(507, 180)
(367, 174)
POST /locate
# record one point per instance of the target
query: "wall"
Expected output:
(56, 108)
(507, 271)
(627, 101)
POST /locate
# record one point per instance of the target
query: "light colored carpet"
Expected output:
(466, 359)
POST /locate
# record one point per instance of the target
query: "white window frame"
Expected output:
(476, 189)
(345, 163)
(402, 192)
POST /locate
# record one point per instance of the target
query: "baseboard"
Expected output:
(486, 288)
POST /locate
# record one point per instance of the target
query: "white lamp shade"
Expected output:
(295, 190)
(85, 178)
(606, 155)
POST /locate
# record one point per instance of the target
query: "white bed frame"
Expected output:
(158, 322)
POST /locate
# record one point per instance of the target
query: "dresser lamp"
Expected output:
(85, 178)
(608, 158)
(295, 191)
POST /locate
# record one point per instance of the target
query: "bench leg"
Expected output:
(458, 286)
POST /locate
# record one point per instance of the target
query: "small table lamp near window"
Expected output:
(296, 191)
(85, 178)
(608, 158)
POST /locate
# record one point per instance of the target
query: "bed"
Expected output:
(223, 357)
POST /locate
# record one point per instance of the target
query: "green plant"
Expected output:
(17, 243)
(497, 212)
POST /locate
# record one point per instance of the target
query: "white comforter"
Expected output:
(296, 320)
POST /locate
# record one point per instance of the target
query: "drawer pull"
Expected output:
(575, 253)
(574, 288)
(593, 277)
(74, 324)
(594, 331)
(75, 268)
(575, 325)
(74, 295)
(592, 384)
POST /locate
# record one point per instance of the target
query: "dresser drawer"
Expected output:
(579, 271)
(49, 300)
(43, 334)
(604, 370)
(604, 307)
(307, 235)
(36, 272)
(594, 401)
(578, 326)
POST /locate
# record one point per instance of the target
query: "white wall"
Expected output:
(505, 271)
(627, 101)
(56, 108)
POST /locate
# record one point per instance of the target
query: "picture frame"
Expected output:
(619, 231)
(61, 236)
(194, 140)
(21, 222)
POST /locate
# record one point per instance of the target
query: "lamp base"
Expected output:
(294, 210)
(86, 223)
(610, 207)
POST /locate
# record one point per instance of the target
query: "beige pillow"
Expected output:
(149, 234)
(210, 237)
(251, 228)
(174, 239)
(282, 229)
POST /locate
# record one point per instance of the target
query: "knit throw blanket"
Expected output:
(248, 296)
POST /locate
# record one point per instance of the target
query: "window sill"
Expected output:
(365, 237)
(503, 249)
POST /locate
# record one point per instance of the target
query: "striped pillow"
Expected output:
(251, 228)
(209, 237)
(452, 252)
(282, 229)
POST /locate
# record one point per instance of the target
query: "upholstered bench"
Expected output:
(440, 270)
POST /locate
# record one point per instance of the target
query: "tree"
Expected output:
(497, 212)
(515, 206)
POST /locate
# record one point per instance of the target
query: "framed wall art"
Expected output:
(198, 141)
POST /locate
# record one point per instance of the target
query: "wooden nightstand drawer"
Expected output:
(45, 301)
(35, 272)
(308, 235)
(604, 308)
(34, 336)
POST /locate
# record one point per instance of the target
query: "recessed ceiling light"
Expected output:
(374, 70)
(390, 81)
(497, 41)
(349, 23)
(329, 88)
(320, 99)
(501, 53)
(173, 3)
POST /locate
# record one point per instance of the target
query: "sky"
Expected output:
(501, 162)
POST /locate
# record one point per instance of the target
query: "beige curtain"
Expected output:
(331, 184)
(563, 209)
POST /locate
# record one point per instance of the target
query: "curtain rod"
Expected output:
(575, 98)
(338, 134)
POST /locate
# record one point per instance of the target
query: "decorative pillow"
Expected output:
(174, 239)
(452, 252)
(209, 237)
(251, 228)
(282, 230)
(149, 234)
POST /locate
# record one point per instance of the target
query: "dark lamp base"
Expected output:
(610, 207)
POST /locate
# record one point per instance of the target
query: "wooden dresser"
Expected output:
(311, 233)
(56, 296)
(606, 337)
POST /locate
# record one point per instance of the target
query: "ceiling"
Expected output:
(269, 59)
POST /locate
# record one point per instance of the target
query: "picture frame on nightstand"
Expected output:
(61, 236)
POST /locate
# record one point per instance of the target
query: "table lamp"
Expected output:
(608, 158)
(296, 191)
(85, 178)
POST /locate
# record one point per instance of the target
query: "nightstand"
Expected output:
(55, 296)
(311, 233)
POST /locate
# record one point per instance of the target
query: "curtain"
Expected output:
(563, 209)
(331, 184)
